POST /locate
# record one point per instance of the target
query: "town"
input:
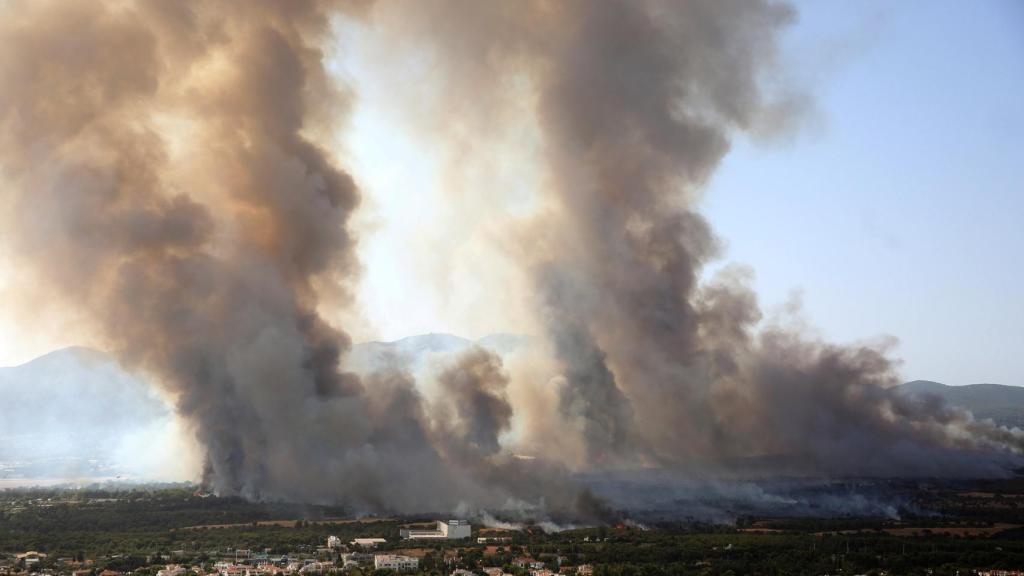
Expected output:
(179, 531)
(490, 557)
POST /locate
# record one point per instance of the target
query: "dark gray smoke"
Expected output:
(165, 175)
(476, 410)
(635, 103)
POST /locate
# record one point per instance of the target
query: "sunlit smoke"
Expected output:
(169, 175)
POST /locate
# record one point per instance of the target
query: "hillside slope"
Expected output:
(1003, 404)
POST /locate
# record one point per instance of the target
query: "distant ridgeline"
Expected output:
(68, 413)
(76, 413)
(1003, 404)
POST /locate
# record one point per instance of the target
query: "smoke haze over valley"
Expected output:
(179, 186)
(84, 421)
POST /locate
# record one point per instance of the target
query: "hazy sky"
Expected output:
(902, 213)
(897, 208)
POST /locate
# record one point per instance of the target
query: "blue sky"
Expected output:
(898, 209)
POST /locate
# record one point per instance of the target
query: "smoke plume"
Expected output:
(166, 172)
(634, 104)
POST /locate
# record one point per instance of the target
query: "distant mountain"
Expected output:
(1003, 404)
(76, 412)
(69, 412)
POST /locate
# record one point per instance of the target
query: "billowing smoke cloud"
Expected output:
(160, 176)
(476, 410)
(165, 172)
(634, 104)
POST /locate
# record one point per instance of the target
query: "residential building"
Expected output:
(528, 563)
(172, 570)
(396, 562)
(353, 559)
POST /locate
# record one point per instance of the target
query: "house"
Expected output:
(528, 563)
(263, 570)
(396, 562)
(171, 570)
(353, 559)
(31, 558)
(229, 569)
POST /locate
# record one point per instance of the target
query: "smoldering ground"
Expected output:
(168, 174)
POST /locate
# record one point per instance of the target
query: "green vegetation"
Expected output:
(132, 530)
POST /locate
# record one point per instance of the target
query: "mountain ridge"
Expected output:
(1002, 403)
(78, 402)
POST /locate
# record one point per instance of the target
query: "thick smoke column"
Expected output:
(476, 410)
(164, 176)
(635, 102)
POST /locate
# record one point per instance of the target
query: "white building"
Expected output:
(230, 569)
(396, 562)
(454, 529)
(368, 542)
(333, 542)
(450, 530)
(32, 558)
(171, 570)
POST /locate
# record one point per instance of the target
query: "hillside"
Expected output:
(76, 413)
(73, 412)
(1003, 404)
